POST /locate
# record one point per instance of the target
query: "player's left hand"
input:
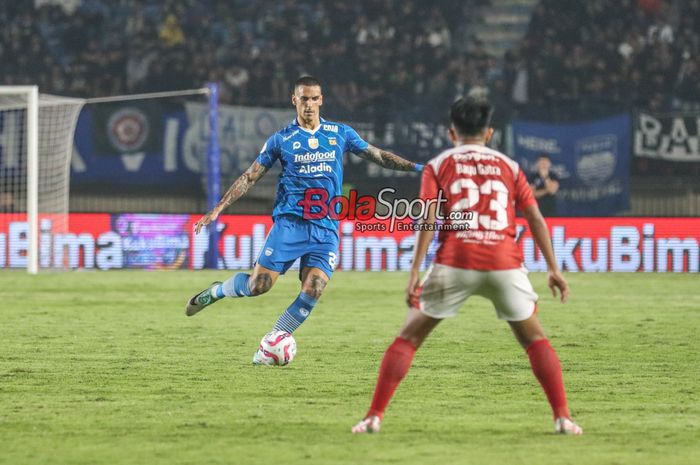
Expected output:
(555, 281)
(413, 289)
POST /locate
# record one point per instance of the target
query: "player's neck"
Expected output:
(470, 141)
(309, 124)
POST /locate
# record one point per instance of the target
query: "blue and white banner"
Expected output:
(164, 145)
(176, 154)
(591, 159)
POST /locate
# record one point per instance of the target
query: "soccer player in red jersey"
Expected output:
(483, 188)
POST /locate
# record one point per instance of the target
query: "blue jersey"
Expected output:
(310, 160)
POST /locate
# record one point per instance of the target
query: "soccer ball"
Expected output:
(277, 348)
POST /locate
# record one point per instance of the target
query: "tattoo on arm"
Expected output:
(387, 159)
(243, 184)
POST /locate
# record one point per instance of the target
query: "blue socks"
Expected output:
(289, 321)
(234, 287)
(296, 313)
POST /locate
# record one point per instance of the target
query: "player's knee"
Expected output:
(261, 284)
(415, 339)
(314, 286)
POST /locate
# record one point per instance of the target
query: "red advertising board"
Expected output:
(154, 241)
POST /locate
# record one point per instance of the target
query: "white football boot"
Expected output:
(563, 425)
(369, 425)
(260, 359)
(201, 300)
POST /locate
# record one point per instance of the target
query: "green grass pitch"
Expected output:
(104, 368)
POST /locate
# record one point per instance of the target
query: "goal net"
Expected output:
(36, 143)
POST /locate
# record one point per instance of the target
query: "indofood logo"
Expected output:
(596, 158)
(128, 129)
(313, 157)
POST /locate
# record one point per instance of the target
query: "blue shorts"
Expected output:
(292, 237)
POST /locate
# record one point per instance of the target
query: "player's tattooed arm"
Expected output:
(242, 185)
(239, 187)
(386, 159)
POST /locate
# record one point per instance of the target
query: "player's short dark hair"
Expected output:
(544, 155)
(309, 81)
(471, 116)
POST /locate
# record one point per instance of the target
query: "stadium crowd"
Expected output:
(376, 56)
(600, 56)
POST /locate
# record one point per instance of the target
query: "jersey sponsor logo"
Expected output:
(313, 143)
(268, 251)
(316, 169)
(332, 141)
(313, 157)
(330, 127)
(296, 145)
(285, 139)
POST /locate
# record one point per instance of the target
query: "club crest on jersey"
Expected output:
(332, 141)
(313, 143)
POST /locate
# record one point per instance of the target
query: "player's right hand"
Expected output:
(205, 220)
(555, 281)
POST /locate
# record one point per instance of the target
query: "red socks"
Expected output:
(546, 367)
(398, 357)
(397, 360)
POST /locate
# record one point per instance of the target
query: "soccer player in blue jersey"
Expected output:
(310, 151)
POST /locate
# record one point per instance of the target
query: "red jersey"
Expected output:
(486, 187)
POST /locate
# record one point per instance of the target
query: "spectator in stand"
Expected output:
(545, 185)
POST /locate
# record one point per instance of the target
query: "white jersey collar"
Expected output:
(321, 121)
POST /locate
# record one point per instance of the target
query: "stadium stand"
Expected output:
(576, 57)
(375, 54)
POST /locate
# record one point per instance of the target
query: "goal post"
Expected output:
(36, 142)
(12, 97)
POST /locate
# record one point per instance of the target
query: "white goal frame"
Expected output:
(32, 132)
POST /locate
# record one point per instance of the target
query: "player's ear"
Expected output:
(294, 100)
(488, 135)
(452, 134)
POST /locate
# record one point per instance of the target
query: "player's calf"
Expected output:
(296, 313)
(260, 283)
(314, 285)
(243, 285)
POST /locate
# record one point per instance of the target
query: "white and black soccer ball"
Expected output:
(278, 348)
